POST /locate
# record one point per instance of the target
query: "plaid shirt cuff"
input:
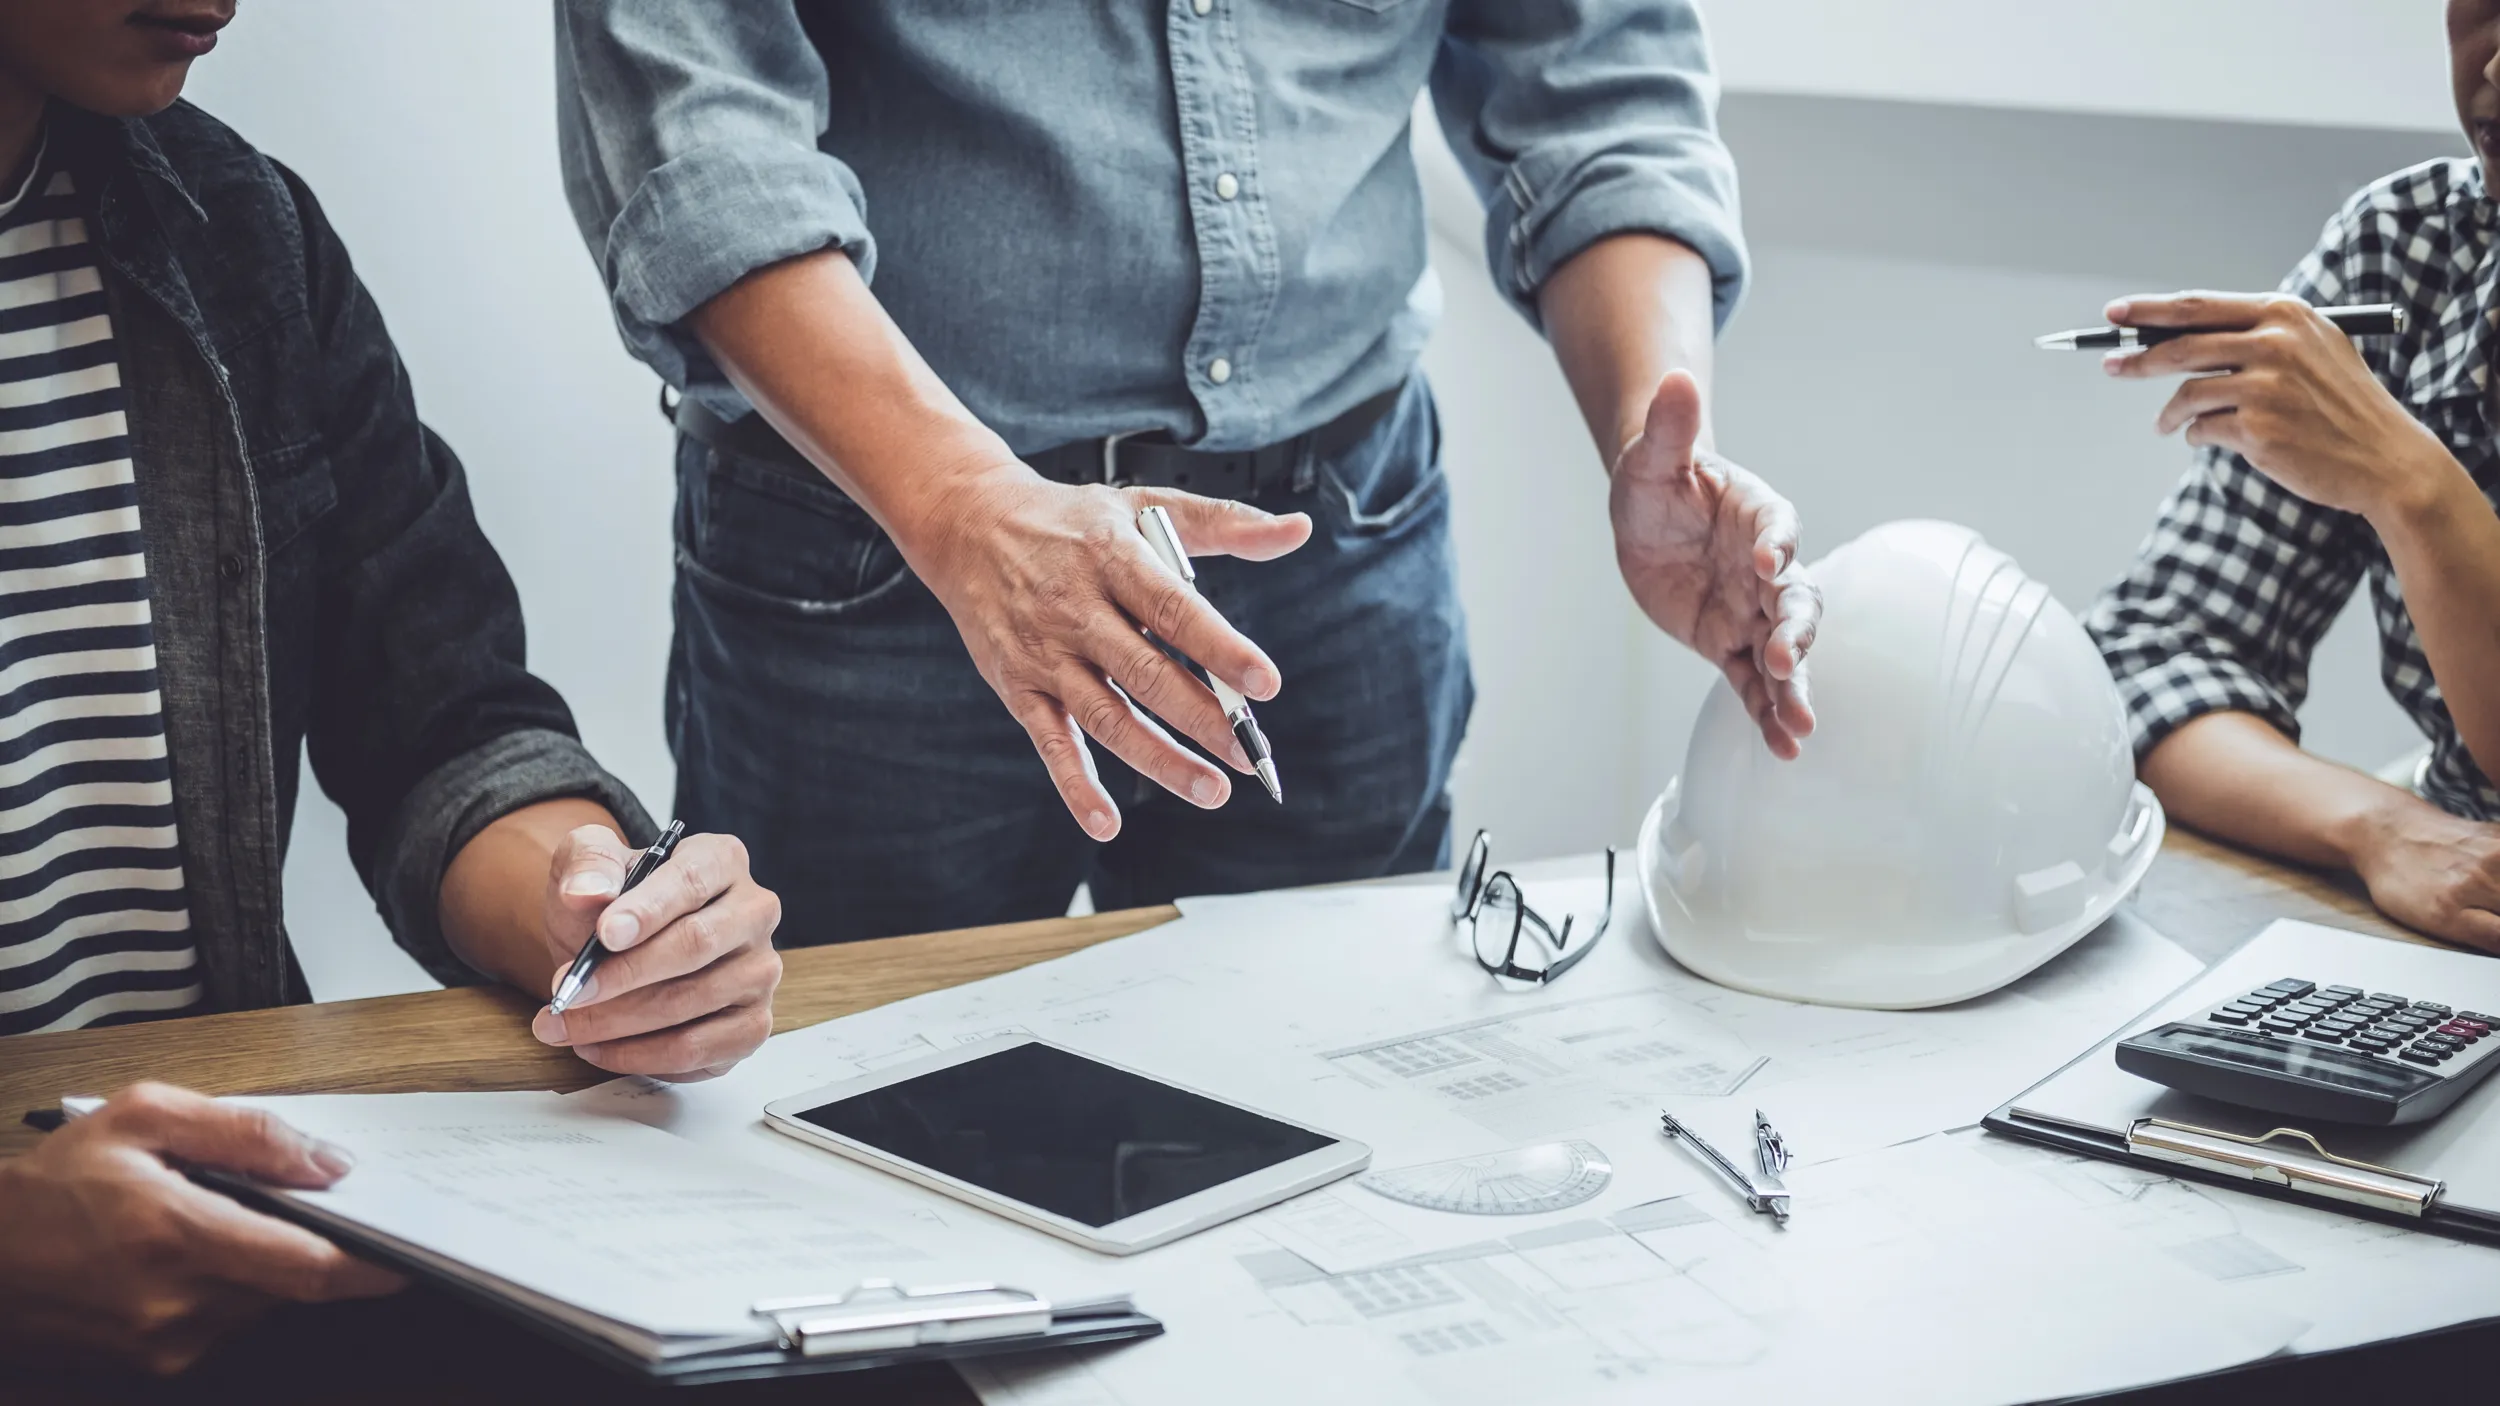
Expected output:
(2166, 693)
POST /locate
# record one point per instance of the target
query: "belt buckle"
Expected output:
(1111, 457)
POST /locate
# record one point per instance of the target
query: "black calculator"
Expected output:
(2334, 1053)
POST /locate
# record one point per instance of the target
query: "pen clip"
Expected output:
(1155, 525)
(653, 857)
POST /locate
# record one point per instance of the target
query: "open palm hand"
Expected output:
(1710, 552)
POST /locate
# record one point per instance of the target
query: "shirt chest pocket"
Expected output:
(296, 490)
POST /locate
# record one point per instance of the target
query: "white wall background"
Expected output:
(1928, 183)
(427, 128)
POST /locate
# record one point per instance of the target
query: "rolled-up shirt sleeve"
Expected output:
(689, 140)
(1580, 119)
(454, 801)
(2227, 600)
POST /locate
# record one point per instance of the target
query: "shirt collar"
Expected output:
(2455, 361)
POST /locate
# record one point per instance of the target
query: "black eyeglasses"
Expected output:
(1498, 920)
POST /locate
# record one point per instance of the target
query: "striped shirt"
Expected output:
(94, 925)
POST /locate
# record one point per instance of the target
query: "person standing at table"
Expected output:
(1129, 254)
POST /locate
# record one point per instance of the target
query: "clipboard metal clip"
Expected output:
(879, 1315)
(2278, 1159)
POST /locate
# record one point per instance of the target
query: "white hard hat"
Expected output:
(1965, 810)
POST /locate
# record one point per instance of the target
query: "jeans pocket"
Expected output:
(760, 537)
(1393, 474)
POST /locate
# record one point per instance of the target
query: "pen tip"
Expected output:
(2051, 342)
(1267, 778)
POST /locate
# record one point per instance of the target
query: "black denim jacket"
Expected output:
(314, 568)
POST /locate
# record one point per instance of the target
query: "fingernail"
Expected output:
(549, 1028)
(1206, 791)
(1259, 682)
(2116, 312)
(588, 993)
(1098, 824)
(331, 1158)
(618, 931)
(2111, 363)
(590, 883)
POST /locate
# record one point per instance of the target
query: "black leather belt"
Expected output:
(1133, 460)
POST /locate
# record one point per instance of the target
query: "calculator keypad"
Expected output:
(2422, 1033)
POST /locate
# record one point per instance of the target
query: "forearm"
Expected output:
(2233, 776)
(1621, 314)
(807, 342)
(2444, 543)
(494, 892)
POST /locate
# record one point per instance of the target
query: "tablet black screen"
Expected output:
(1056, 1130)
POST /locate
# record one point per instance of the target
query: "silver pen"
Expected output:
(1156, 526)
(1770, 1200)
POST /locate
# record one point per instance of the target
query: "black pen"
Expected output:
(569, 990)
(2370, 320)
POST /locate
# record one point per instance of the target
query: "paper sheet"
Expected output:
(1935, 1269)
(1356, 1011)
(616, 1219)
(1928, 1273)
(2353, 1279)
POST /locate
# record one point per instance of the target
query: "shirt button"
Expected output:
(231, 568)
(1200, 7)
(1219, 371)
(1226, 187)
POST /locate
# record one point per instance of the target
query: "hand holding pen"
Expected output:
(2281, 384)
(1155, 524)
(668, 961)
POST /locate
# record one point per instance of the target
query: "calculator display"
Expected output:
(2310, 1063)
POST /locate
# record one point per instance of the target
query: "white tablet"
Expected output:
(1110, 1158)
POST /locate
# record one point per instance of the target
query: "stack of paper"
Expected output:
(1921, 1265)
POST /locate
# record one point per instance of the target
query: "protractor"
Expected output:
(1548, 1176)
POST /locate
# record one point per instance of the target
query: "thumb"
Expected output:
(190, 1127)
(1673, 425)
(586, 874)
(1224, 527)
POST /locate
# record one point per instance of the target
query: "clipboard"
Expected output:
(2438, 1176)
(869, 1324)
(875, 1323)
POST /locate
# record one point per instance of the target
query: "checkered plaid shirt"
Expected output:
(2240, 577)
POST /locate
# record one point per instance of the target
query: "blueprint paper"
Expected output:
(1360, 1012)
(1927, 1273)
(2338, 1271)
(1935, 1269)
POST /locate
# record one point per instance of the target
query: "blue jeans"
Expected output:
(821, 706)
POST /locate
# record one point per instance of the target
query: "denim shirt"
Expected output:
(1195, 216)
(314, 570)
